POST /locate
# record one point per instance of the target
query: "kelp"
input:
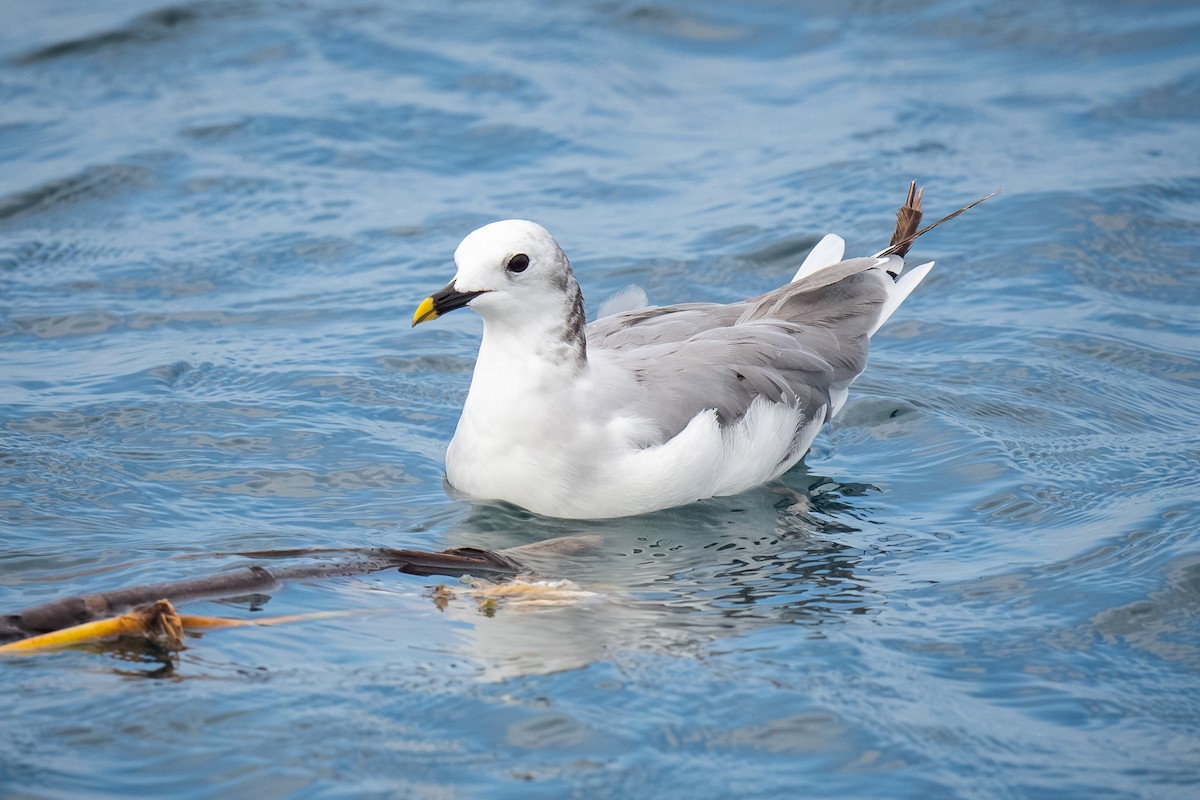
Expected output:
(148, 610)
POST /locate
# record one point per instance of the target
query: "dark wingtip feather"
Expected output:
(909, 217)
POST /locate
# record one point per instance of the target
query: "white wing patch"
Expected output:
(903, 288)
(631, 298)
(826, 253)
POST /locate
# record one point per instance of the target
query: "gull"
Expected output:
(650, 407)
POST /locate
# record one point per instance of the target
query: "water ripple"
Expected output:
(982, 581)
(100, 182)
(155, 26)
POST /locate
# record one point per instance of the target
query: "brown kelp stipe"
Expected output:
(74, 620)
(908, 217)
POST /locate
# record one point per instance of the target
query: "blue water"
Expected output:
(983, 582)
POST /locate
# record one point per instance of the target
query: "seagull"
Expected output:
(651, 407)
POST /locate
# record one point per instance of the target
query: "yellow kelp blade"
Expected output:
(158, 622)
(191, 622)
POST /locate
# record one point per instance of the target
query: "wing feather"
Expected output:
(801, 344)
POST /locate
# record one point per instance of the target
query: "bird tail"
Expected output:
(908, 222)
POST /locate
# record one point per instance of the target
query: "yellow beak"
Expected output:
(442, 302)
(424, 312)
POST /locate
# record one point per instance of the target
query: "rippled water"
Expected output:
(983, 582)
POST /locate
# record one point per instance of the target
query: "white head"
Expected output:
(515, 275)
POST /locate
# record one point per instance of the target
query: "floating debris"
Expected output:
(148, 611)
(159, 623)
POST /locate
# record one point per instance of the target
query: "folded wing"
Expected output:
(801, 344)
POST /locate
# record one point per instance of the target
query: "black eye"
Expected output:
(518, 263)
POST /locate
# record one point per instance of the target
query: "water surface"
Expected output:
(983, 582)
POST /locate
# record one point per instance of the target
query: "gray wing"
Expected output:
(797, 344)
